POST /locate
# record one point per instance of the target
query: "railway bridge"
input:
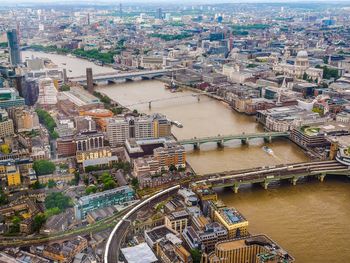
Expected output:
(267, 175)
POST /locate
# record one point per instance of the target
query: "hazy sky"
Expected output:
(166, 1)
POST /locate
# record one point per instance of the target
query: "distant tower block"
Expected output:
(89, 80)
(65, 78)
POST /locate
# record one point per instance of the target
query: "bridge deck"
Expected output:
(234, 137)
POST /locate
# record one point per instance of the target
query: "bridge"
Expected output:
(244, 137)
(149, 102)
(267, 175)
(114, 76)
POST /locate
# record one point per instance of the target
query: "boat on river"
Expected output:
(267, 150)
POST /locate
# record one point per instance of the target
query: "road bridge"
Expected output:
(265, 176)
(244, 137)
(127, 76)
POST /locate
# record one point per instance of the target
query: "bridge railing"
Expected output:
(238, 136)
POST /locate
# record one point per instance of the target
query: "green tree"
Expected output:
(51, 184)
(43, 167)
(196, 255)
(305, 76)
(91, 189)
(58, 200)
(38, 221)
(3, 198)
(135, 183)
(46, 119)
(65, 87)
(37, 185)
(172, 168)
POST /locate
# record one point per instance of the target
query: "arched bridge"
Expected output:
(220, 139)
(267, 175)
(115, 76)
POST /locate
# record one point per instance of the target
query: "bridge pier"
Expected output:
(321, 177)
(265, 184)
(196, 146)
(268, 139)
(220, 144)
(294, 180)
(244, 141)
(235, 188)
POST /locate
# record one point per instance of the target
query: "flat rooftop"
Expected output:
(231, 216)
(141, 253)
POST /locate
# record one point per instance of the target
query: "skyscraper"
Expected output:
(89, 80)
(15, 56)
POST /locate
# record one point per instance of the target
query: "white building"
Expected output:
(47, 92)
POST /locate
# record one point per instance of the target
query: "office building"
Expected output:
(233, 221)
(10, 171)
(6, 124)
(66, 147)
(143, 127)
(111, 197)
(89, 80)
(171, 154)
(101, 157)
(259, 249)
(205, 239)
(13, 44)
(9, 98)
(31, 91)
(47, 93)
(177, 220)
(25, 120)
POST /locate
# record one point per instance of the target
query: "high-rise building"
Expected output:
(159, 13)
(89, 80)
(31, 91)
(15, 55)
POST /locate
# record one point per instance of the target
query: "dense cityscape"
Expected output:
(174, 132)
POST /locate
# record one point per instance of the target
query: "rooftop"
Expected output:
(141, 253)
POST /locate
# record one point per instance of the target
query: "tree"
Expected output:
(5, 148)
(305, 76)
(51, 184)
(37, 185)
(43, 167)
(135, 183)
(172, 168)
(38, 221)
(3, 198)
(91, 189)
(65, 87)
(196, 255)
(58, 200)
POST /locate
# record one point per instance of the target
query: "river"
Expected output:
(310, 220)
